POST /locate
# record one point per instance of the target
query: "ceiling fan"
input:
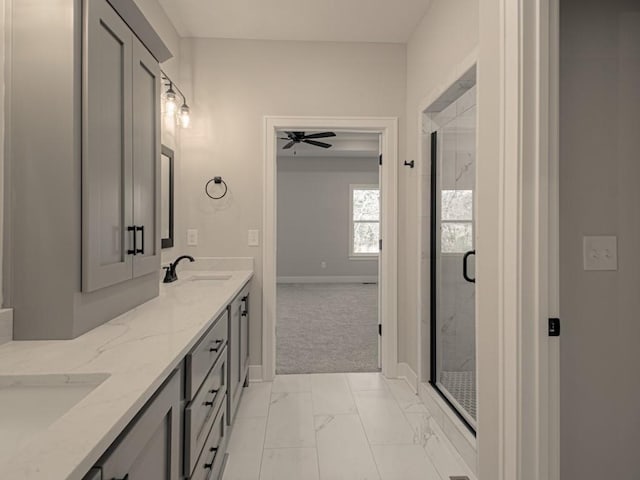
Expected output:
(298, 137)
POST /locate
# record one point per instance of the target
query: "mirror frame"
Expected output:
(167, 152)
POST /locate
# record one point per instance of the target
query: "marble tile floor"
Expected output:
(353, 426)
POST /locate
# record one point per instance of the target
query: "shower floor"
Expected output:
(462, 387)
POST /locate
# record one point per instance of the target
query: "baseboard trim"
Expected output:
(6, 325)
(405, 371)
(329, 279)
(255, 373)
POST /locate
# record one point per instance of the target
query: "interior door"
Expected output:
(106, 148)
(146, 160)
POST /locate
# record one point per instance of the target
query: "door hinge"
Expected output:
(380, 329)
(380, 159)
(380, 244)
(554, 327)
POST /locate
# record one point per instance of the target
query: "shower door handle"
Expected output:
(465, 266)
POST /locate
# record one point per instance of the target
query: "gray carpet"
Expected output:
(326, 328)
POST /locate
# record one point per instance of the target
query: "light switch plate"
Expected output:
(253, 238)
(192, 237)
(600, 252)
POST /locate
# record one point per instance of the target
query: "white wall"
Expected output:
(446, 36)
(171, 133)
(3, 32)
(234, 84)
(599, 195)
(313, 215)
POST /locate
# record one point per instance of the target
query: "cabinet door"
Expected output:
(150, 446)
(244, 336)
(146, 159)
(106, 148)
(234, 360)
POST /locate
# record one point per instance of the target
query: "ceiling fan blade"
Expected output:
(317, 144)
(321, 135)
(289, 145)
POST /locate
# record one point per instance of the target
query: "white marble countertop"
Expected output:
(138, 350)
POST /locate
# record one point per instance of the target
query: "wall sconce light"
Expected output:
(170, 104)
(183, 117)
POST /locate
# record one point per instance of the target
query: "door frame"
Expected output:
(518, 363)
(387, 127)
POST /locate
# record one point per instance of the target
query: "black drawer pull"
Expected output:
(214, 391)
(244, 299)
(217, 344)
(244, 313)
(208, 404)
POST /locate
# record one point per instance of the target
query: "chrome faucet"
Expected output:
(170, 274)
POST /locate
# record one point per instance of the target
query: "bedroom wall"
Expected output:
(313, 216)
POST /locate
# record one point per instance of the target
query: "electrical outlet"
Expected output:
(600, 253)
(253, 238)
(192, 237)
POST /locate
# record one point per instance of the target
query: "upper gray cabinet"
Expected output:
(120, 152)
(82, 164)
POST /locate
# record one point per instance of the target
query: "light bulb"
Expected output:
(170, 104)
(184, 117)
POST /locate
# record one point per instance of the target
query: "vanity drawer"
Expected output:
(200, 413)
(204, 355)
(210, 465)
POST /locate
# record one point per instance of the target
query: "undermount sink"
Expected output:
(31, 403)
(210, 276)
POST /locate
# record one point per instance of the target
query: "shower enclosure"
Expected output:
(452, 141)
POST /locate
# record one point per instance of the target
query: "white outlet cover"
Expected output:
(253, 238)
(192, 237)
(600, 252)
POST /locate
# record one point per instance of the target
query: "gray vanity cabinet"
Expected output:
(120, 152)
(149, 448)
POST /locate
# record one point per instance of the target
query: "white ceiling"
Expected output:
(343, 145)
(305, 20)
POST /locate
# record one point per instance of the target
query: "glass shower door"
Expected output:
(453, 362)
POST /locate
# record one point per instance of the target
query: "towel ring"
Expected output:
(217, 181)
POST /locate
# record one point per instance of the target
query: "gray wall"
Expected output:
(313, 215)
(599, 177)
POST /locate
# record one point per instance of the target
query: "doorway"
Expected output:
(328, 231)
(386, 129)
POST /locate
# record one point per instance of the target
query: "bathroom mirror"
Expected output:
(166, 196)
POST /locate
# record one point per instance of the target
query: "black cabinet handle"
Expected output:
(465, 266)
(244, 313)
(244, 299)
(208, 404)
(209, 466)
(217, 344)
(141, 230)
(133, 251)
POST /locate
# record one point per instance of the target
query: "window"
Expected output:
(365, 221)
(457, 221)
